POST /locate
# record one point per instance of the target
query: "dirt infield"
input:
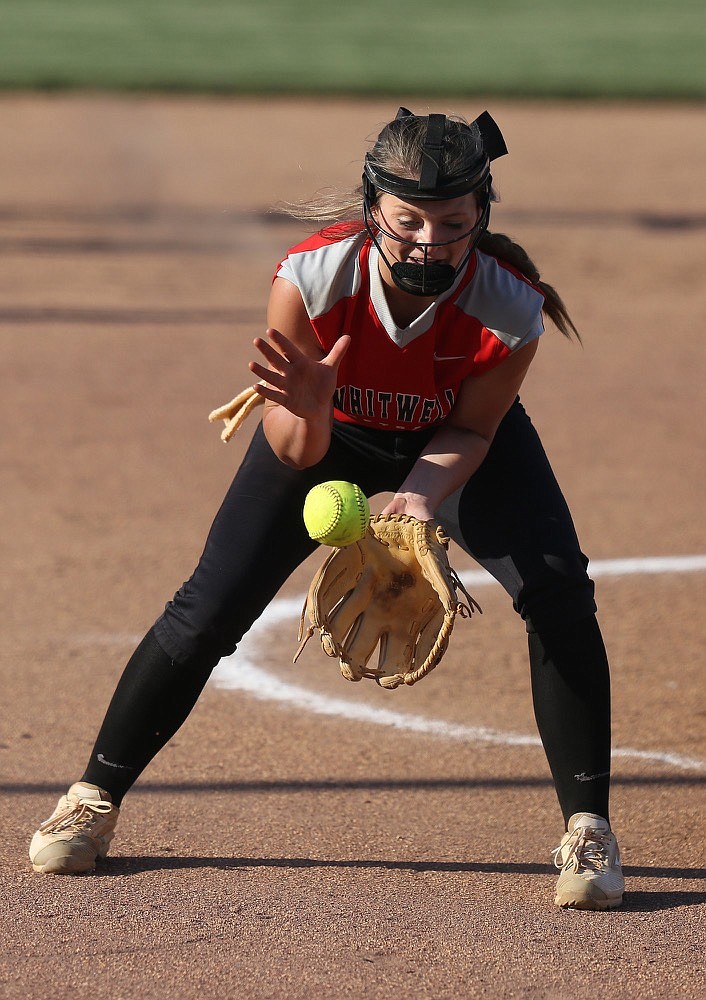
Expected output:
(270, 852)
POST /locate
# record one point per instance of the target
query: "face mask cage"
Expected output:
(430, 277)
(427, 277)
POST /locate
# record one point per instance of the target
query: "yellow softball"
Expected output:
(336, 513)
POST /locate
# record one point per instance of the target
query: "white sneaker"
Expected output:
(588, 856)
(77, 832)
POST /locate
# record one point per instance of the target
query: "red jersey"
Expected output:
(408, 379)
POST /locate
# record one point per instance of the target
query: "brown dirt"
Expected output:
(273, 853)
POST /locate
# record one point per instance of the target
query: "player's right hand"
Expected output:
(295, 381)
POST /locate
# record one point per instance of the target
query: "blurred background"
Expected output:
(550, 48)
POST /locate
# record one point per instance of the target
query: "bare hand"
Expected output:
(410, 503)
(292, 379)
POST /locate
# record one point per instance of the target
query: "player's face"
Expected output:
(444, 226)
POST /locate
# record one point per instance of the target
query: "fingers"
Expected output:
(272, 394)
(293, 378)
(285, 349)
(276, 373)
(270, 376)
(276, 359)
(335, 355)
(284, 346)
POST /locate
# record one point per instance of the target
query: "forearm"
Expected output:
(297, 441)
(447, 462)
(461, 444)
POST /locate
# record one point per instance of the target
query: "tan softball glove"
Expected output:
(394, 589)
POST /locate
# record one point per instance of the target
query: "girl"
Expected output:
(398, 339)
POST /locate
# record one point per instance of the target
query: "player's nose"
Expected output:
(430, 233)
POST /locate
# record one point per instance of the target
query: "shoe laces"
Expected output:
(77, 816)
(584, 848)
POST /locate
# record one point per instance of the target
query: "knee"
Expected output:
(560, 595)
(185, 634)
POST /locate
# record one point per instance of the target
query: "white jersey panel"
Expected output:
(504, 303)
(324, 275)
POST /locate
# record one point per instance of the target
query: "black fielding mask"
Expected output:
(430, 278)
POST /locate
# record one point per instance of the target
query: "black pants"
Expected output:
(510, 516)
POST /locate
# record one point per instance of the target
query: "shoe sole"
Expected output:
(588, 904)
(66, 865)
(66, 858)
(57, 869)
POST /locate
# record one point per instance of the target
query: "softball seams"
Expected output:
(336, 513)
(362, 505)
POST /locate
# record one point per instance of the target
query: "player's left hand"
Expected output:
(413, 504)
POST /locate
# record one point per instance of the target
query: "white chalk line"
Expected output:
(242, 672)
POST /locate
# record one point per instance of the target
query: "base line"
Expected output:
(645, 566)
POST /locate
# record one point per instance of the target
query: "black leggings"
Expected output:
(511, 517)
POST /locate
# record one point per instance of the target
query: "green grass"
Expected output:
(549, 48)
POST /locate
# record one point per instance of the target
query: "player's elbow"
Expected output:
(296, 456)
(295, 462)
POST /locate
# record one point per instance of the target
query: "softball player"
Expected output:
(398, 338)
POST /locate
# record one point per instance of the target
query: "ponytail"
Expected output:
(502, 247)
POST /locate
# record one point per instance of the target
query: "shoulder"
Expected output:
(504, 301)
(322, 246)
(324, 269)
